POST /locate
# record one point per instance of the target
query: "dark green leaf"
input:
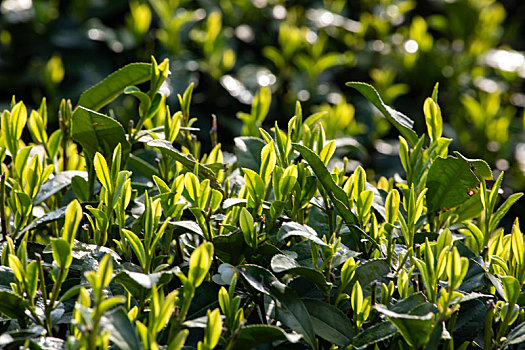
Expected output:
(12, 305)
(121, 331)
(336, 193)
(370, 271)
(470, 320)
(56, 184)
(329, 322)
(290, 309)
(187, 226)
(230, 202)
(450, 182)
(399, 120)
(141, 166)
(378, 332)
(283, 263)
(6, 277)
(516, 336)
(139, 284)
(416, 330)
(295, 229)
(108, 89)
(248, 152)
(255, 335)
(98, 132)
(231, 248)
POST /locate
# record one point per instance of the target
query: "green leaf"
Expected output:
(295, 229)
(57, 184)
(516, 336)
(512, 288)
(107, 90)
(186, 160)
(254, 335)
(142, 167)
(121, 331)
(62, 252)
(433, 118)
(73, 218)
(336, 193)
(32, 278)
(231, 248)
(139, 284)
(450, 182)
(145, 101)
(98, 132)
(290, 309)
(46, 218)
(213, 329)
(329, 322)
(12, 305)
(399, 120)
(137, 246)
(502, 210)
(283, 263)
(109, 303)
(248, 228)
(200, 263)
(370, 271)
(416, 330)
(378, 332)
(248, 152)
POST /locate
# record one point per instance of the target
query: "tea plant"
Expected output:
(134, 237)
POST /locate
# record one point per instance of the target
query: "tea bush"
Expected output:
(136, 237)
(302, 50)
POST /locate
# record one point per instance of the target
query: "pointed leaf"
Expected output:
(108, 89)
(399, 120)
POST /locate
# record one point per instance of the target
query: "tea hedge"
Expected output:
(134, 237)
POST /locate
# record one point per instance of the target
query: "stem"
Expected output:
(178, 319)
(488, 325)
(2, 207)
(54, 294)
(91, 179)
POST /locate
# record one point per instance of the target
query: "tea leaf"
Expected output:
(12, 305)
(399, 120)
(108, 89)
(187, 161)
(415, 329)
(248, 152)
(62, 252)
(121, 331)
(450, 182)
(329, 322)
(98, 132)
(254, 335)
(200, 262)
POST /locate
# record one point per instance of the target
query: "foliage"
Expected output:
(239, 51)
(139, 239)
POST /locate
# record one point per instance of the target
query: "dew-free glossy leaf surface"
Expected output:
(329, 322)
(109, 89)
(98, 132)
(248, 152)
(403, 123)
(450, 182)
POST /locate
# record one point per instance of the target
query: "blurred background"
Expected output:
(301, 50)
